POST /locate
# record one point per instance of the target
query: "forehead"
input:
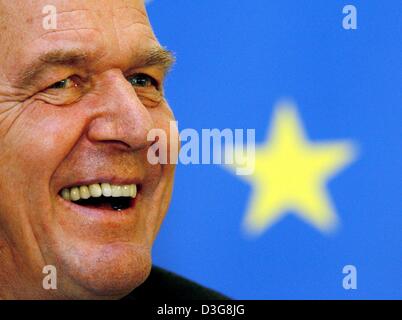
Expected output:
(105, 29)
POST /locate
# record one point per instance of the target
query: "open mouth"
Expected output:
(102, 196)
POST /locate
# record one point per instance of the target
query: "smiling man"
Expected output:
(77, 192)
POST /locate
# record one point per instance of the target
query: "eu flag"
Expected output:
(320, 216)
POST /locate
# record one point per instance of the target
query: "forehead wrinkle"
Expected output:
(59, 13)
(127, 10)
(154, 55)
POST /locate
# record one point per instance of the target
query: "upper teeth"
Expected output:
(96, 190)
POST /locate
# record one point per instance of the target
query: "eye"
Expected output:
(63, 92)
(64, 84)
(142, 80)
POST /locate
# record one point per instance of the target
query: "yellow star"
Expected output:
(291, 174)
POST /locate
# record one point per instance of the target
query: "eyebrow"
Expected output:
(159, 56)
(155, 56)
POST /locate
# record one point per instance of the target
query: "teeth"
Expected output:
(97, 190)
(116, 191)
(125, 191)
(84, 192)
(133, 190)
(106, 189)
(65, 193)
(75, 194)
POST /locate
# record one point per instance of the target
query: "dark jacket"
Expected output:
(165, 285)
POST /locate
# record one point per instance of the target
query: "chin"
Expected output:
(108, 271)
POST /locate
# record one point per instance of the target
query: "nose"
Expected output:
(120, 117)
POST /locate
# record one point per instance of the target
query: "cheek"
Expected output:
(40, 138)
(164, 119)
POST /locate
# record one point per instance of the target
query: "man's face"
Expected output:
(76, 105)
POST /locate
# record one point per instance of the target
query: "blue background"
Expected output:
(235, 60)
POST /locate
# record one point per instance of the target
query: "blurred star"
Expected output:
(291, 174)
